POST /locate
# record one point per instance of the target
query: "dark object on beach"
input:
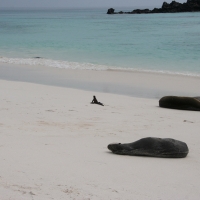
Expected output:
(94, 101)
(173, 7)
(153, 147)
(38, 57)
(180, 103)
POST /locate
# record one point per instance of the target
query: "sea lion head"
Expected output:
(115, 147)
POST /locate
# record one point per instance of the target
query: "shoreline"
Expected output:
(136, 84)
(72, 65)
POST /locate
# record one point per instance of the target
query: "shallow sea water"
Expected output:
(91, 39)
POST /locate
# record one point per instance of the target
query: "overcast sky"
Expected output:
(81, 3)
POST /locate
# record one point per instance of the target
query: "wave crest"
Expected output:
(52, 63)
(86, 66)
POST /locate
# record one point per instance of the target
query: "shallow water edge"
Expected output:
(136, 84)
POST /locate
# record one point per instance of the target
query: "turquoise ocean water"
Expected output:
(91, 39)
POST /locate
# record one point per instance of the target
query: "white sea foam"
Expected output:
(85, 66)
(52, 63)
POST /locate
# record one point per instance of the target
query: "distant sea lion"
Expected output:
(154, 147)
(181, 103)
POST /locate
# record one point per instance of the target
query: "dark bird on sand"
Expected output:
(94, 101)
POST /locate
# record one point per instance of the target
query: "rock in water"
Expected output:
(173, 7)
(154, 147)
(181, 103)
(111, 11)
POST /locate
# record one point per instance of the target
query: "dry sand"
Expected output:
(53, 145)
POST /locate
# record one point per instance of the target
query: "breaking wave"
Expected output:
(38, 61)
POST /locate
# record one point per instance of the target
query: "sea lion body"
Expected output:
(154, 147)
(181, 103)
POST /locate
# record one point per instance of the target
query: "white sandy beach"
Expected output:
(53, 142)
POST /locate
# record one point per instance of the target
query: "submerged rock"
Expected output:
(181, 103)
(154, 147)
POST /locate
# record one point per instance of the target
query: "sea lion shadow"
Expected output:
(142, 156)
(179, 109)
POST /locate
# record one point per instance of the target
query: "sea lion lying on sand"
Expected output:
(154, 147)
(181, 103)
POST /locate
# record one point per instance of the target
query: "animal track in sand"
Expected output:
(4, 109)
(74, 193)
(188, 121)
(84, 125)
(53, 124)
(70, 190)
(50, 110)
(73, 110)
(31, 193)
(20, 188)
(112, 133)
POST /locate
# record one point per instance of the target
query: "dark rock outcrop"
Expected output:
(180, 103)
(111, 11)
(173, 7)
(138, 11)
(154, 147)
